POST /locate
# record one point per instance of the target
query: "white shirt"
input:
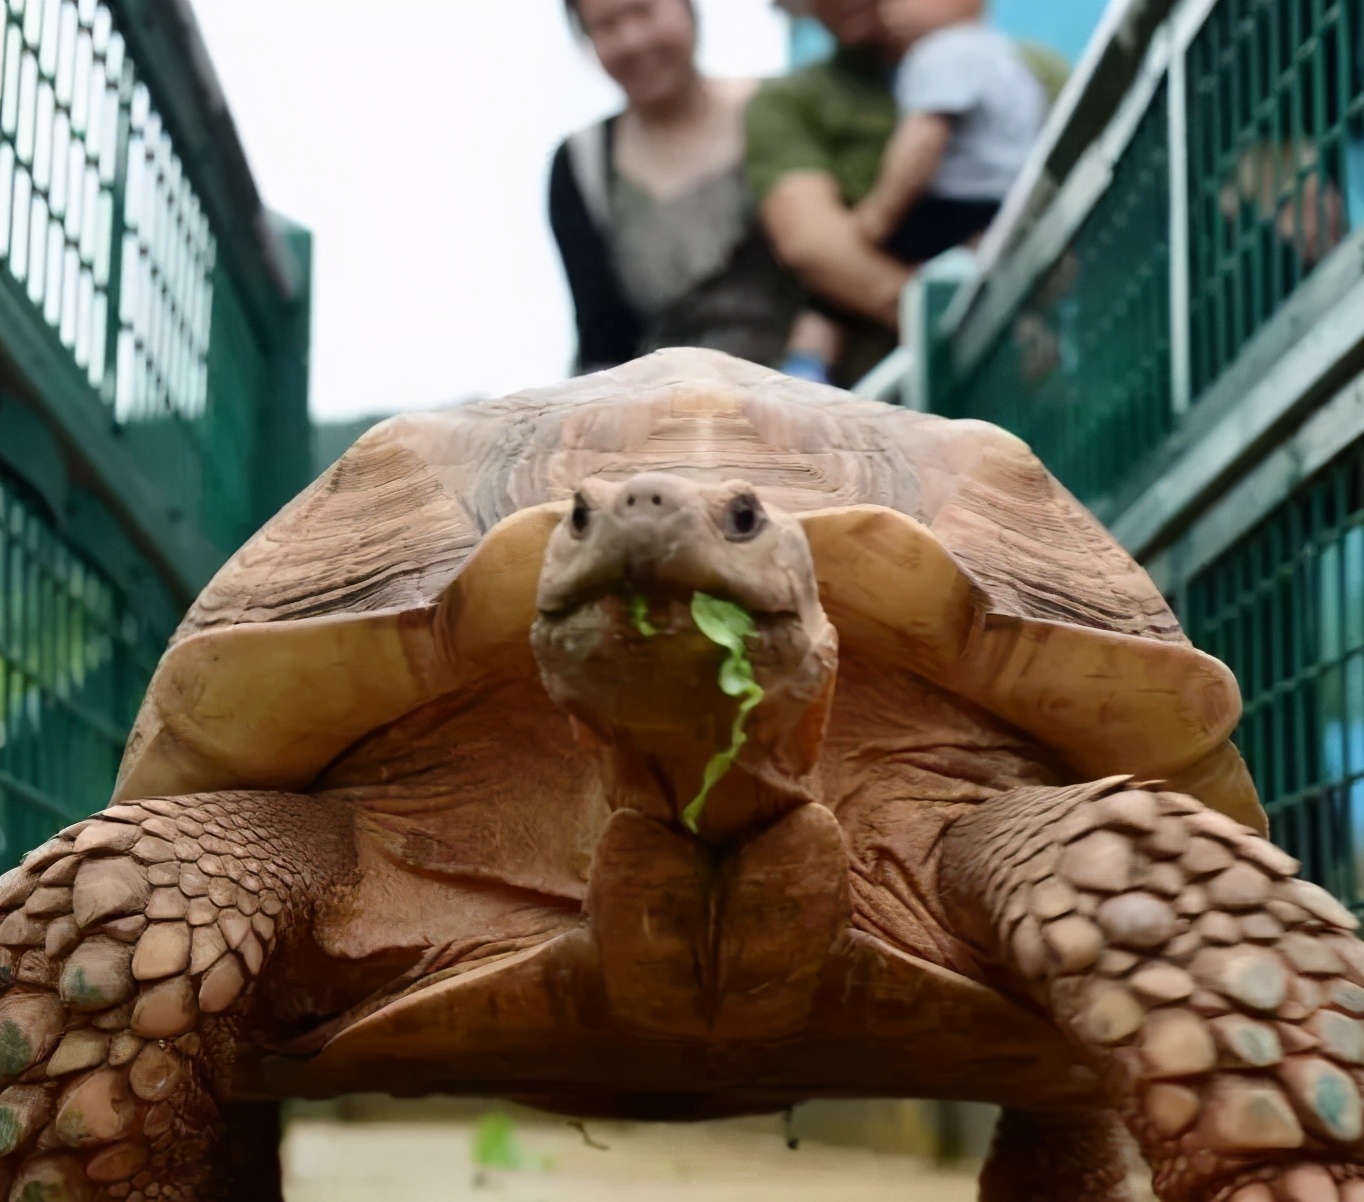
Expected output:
(977, 76)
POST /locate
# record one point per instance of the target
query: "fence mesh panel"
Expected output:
(1284, 608)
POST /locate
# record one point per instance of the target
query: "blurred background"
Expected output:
(413, 138)
(235, 233)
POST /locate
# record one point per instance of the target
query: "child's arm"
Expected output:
(908, 166)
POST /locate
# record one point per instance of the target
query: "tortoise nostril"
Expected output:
(657, 499)
(630, 500)
(581, 515)
(743, 517)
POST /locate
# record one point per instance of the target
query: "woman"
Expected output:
(649, 208)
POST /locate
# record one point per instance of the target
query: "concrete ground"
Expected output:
(399, 1160)
(371, 1149)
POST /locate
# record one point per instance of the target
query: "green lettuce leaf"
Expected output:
(727, 625)
(639, 616)
(495, 1145)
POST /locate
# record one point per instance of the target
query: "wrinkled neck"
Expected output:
(663, 783)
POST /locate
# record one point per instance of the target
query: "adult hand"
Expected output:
(872, 223)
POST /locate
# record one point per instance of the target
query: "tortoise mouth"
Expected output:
(661, 605)
(677, 693)
(629, 658)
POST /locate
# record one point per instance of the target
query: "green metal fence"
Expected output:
(101, 224)
(153, 338)
(1284, 608)
(1142, 277)
(74, 661)
(1083, 370)
(59, 140)
(1173, 317)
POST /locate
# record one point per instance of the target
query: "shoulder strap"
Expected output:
(589, 151)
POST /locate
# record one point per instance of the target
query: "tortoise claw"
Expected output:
(1306, 1181)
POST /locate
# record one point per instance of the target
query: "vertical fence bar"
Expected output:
(118, 187)
(1177, 116)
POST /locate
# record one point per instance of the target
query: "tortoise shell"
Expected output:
(410, 566)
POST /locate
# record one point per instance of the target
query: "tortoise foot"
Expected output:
(1296, 1181)
(1219, 996)
(1079, 1156)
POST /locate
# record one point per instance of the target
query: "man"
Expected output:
(815, 142)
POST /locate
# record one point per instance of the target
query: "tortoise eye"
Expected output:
(743, 518)
(581, 515)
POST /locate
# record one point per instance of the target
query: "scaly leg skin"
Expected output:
(1060, 1156)
(129, 946)
(1219, 997)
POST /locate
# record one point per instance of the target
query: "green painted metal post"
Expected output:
(284, 436)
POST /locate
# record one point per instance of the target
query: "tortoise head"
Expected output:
(636, 578)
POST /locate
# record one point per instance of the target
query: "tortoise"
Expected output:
(681, 741)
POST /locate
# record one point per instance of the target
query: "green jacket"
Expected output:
(838, 115)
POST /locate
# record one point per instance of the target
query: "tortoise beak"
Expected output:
(664, 536)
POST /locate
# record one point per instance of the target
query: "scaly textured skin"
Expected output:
(129, 947)
(1218, 995)
(151, 945)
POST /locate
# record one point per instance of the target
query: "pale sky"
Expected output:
(413, 138)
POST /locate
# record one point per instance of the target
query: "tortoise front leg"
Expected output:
(129, 946)
(1218, 995)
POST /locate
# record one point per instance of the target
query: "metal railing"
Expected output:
(1122, 293)
(153, 336)
(1171, 312)
(1275, 125)
(1284, 606)
(1082, 372)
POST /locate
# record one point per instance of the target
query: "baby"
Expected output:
(970, 109)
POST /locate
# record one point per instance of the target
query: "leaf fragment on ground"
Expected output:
(495, 1145)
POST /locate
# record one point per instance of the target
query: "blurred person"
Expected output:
(970, 109)
(856, 190)
(1297, 192)
(658, 236)
(1290, 187)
